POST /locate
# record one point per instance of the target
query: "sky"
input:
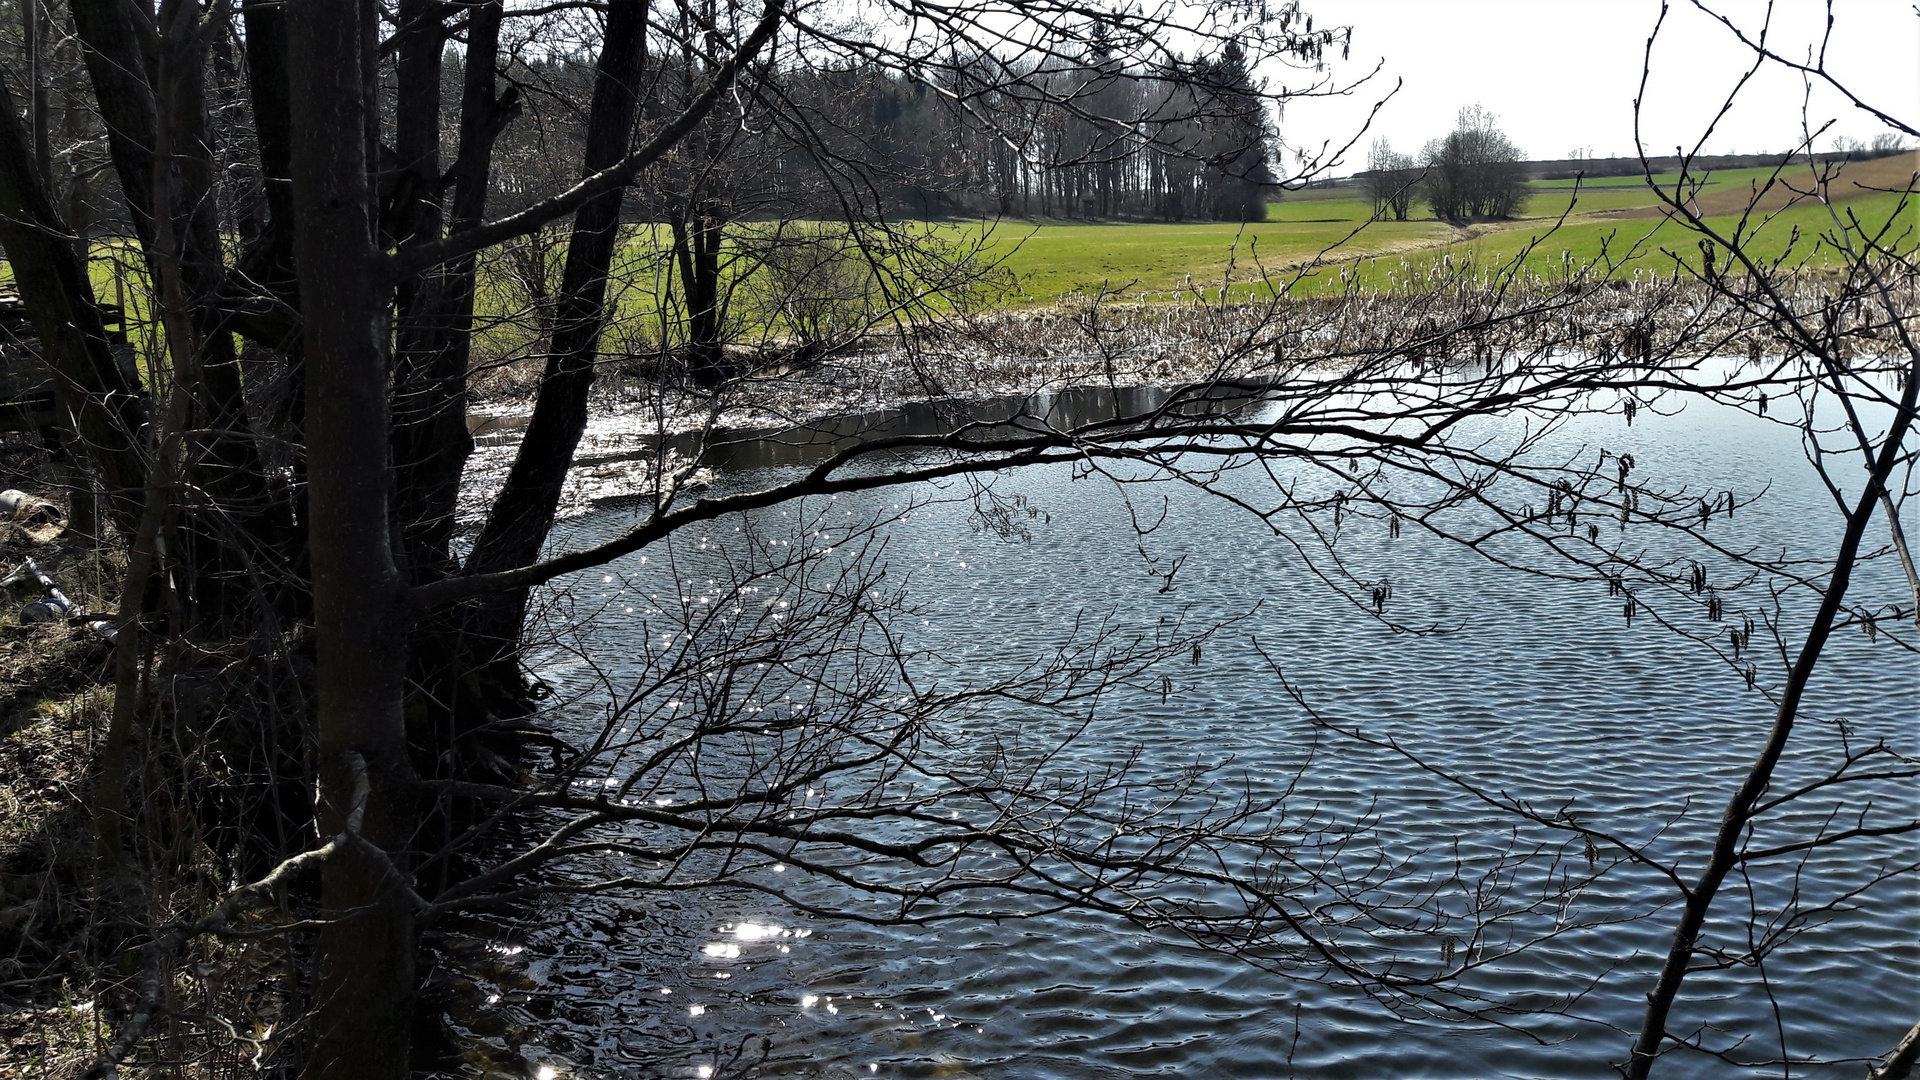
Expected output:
(1561, 75)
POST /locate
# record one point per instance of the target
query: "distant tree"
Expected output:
(1391, 179)
(1885, 143)
(1473, 172)
(1232, 114)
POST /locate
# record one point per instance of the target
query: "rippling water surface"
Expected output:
(1540, 688)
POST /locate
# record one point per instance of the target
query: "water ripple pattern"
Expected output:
(1539, 688)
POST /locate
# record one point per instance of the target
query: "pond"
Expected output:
(1537, 687)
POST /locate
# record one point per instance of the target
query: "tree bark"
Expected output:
(91, 392)
(1899, 1062)
(422, 396)
(119, 60)
(696, 248)
(269, 265)
(34, 32)
(364, 985)
(431, 442)
(522, 515)
(150, 87)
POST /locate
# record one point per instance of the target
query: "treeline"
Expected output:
(1088, 140)
(1592, 167)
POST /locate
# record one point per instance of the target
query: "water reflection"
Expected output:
(1545, 689)
(738, 450)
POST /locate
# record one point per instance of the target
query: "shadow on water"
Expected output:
(1009, 417)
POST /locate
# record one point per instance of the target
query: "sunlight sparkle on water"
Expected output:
(546, 1072)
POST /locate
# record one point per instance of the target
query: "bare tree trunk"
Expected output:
(431, 471)
(523, 513)
(226, 464)
(119, 59)
(1733, 823)
(424, 400)
(269, 265)
(696, 249)
(36, 42)
(150, 87)
(364, 989)
(91, 392)
(431, 442)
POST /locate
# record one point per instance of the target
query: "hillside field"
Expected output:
(1312, 240)
(1616, 216)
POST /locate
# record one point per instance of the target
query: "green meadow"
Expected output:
(1312, 241)
(1052, 260)
(1618, 219)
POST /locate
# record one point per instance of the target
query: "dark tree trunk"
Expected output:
(269, 264)
(425, 401)
(240, 510)
(431, 442)
(696, 248)
(151, 92)
(364, 982)
(517, 526)
(92, 394)
(118, 59)
(34, 32)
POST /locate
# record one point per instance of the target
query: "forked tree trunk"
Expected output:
(149, 83)
(522, 514)
(696, 249)
(90, 391)
(364, 977)
(431, 443)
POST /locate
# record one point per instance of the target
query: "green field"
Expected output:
(1618, 217)
(1049, 261)
(1042, 263)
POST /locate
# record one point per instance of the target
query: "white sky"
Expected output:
(1562, 74)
